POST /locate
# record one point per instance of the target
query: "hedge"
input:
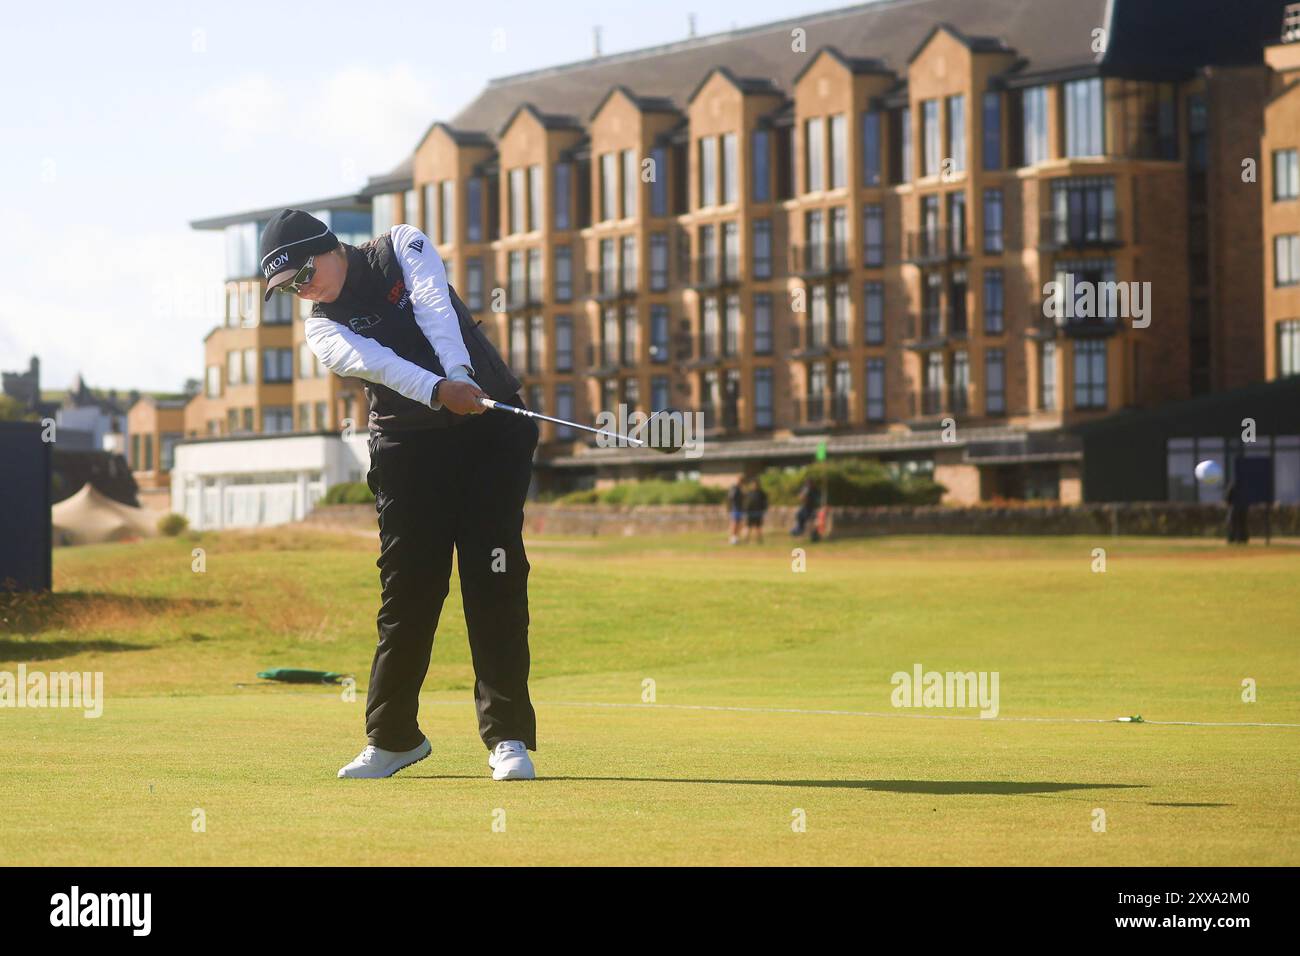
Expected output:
(851, 482)
(655, 491)
(349, 493)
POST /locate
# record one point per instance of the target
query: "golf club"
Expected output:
(674, 444)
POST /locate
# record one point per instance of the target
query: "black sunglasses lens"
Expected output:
(300, 278)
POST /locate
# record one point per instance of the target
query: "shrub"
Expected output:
(349, 493)
(852, 482)
(583, 496)
(655, 491)
(172, 524)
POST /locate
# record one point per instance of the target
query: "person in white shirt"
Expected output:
(445, 476)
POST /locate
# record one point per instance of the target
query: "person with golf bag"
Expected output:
(444, 475)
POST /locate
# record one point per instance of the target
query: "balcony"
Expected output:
(1080, 232)
(819, 412)
(931, 329)
(523, 295)
(809, 340)
(819, 259)
(709, 346)
(959, 399)
(710, 349)
(927, 247)
(1045, 327)
(606, 285)
(712, 272)
(603, 362)
(720, 418)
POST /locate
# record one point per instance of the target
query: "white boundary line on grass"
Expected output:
(865, 713)
(856, 713)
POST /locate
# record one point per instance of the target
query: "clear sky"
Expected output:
(121, 123)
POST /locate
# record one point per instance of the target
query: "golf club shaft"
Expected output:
(503, 407)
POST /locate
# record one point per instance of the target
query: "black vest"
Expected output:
(375, 303)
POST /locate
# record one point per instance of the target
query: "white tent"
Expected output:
(89, 517)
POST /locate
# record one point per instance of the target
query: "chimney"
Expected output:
(690, 24)
(595, 41)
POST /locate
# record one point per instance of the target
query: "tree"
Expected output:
(12, 410)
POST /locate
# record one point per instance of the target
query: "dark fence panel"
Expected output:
(26, 535)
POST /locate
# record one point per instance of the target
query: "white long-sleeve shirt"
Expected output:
(348, 354)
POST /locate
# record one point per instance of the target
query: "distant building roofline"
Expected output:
(252, 215)
(691, 43)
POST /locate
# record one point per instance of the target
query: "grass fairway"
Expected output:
(772, 698)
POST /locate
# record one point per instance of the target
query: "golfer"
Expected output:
(444, 476)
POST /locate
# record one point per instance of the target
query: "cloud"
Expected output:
(245, 112)
(128, 310)
(380, 112)
(356, 123)
(128, 305)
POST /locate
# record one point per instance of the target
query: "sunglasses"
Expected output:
(300, 278)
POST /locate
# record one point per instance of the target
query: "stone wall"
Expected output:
(1140, 518)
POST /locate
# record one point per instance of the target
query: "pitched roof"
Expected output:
(461, 137)
(646, 104)
(1147, 38)
(1051, 34)
(548, 120)
(746, 84)
(854, 64)
(973, 43)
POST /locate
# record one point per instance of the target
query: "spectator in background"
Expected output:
(810, 499)
(736, 508)
(755, 510)
(1238, 527)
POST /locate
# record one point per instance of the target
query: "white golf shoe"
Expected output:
(373, 763)
(510, 761)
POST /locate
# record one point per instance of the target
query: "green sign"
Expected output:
(821, 451)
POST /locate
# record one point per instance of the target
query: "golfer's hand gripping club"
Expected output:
(460, 397)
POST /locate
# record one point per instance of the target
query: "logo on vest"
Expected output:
(398, 295)
(359, 323)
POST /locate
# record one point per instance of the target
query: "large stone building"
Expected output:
(842, 228)
(1280, 178)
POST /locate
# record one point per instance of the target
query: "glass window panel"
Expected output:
(957, 132)
(871, 148)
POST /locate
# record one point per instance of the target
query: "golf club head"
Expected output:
(664, 431)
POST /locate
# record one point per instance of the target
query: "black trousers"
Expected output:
(435, 489)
